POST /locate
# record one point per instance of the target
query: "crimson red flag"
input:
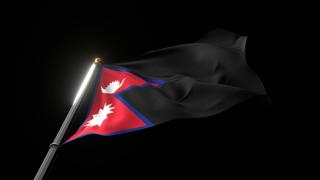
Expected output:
(110, 114)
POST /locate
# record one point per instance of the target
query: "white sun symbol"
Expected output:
(102, 115)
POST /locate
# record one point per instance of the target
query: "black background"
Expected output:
(57, 43)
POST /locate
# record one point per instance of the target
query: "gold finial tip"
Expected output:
(97, 60)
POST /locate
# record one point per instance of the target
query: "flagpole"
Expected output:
(53, 147)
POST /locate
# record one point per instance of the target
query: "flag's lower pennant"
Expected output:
(110, 114)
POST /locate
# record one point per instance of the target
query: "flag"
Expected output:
(192, 80)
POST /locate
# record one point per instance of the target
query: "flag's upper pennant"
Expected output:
(110, 114)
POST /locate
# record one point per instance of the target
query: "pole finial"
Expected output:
(97, 60)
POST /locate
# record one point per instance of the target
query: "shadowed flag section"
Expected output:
(192, 80)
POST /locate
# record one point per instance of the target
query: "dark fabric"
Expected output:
(202, 78)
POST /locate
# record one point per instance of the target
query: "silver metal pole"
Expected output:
(57, 141)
